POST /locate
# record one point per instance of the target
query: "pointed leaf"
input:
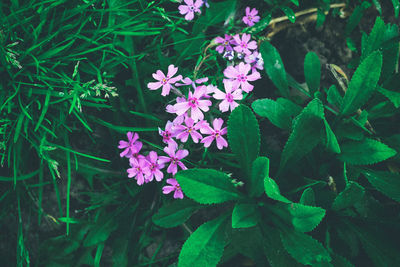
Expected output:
(244, 136)
(312, 72)
(274, 67)
(385, 182)
(244, 216)
(305, 218)
(394, 97)
(205, 246)
(207, 186)
(259, 171)
(375, 38)
(272, 110)
(331, 141)
(362, 83)
(352, 194)
(289, 13)
(272, 190)
(175, 213)
(308, 197)
(367, 151)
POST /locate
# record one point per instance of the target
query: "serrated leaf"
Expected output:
(375, 38)
(272, 190)
(244, 136)
(304, 248)
(274, 67)
(352, 194)
(244, 215)
(331, 141)
(175, 213)
(312, 72)
(394, 97)
(272, 110)
(308, 197)
(305, 218)
(306, 133)
(363, 83)
(205, 246)
(385, 182)
(365, 152)
(260, 170)
(207, 186)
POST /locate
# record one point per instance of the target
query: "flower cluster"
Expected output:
(191, 7)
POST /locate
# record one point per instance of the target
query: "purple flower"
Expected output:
(226, 43)
(243, 45)
(154, 167)
(165, 81)
(174, 186)
(240, 77)
(140, 168)
(168, 133)
(255, 60)
(194, 104)
(251, 17)
(190, 8)
(132, 147)
(188, 81)
(189, 129)
(215, 133)
(174, 157)
(228, 98)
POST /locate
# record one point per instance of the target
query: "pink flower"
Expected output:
(251, 17)
(132, 147)
(255, 60)
(228, 98)
(154, 167)
(140, 167)
(240, 77)
(165, 81)
(174, 158)
(243, 45)
(226, 43)
(174, 186)
(215, 133)
(168, 133)
(189, 129)
(190, 8)
(194, 104)
(188, 81)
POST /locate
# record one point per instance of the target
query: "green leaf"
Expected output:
(272, 190)
(259, 171)
(394, 97)
(331, 141)
(175, 213)
(312, 72)
(391, 54)
(334, 98)
(363, 83)
(296, 2)
(377, 6)
(306, 133)
(274, 67)
(305, 218)
(385, 182)
(289, 13)
(207, 186)
(308, 197)
(356, 16)
(205, 246)
(290, 107)
(275, 112)
(396, 7)
(100, 232)
(244, 136)
(374, 40)
(352, 194)
(304, 248)
(244, 216)
(339, 261)
(367, 151)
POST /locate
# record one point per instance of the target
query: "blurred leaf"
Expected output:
(356, 16)
(289, 13)
(207, 186)
(365, 152)
(308, 197)
(174, 213)
(244, 216)
(274, 67)
(394, 97)
(259, 171)
(244, 136)
(396, 7)
(305, 218)
(275, 112)
(334, 98)
(363, 83)
(339, 261)
(312, 72)
(100, 231)
(390, 54)
(352, 194)
(385, 182)
(205, 246)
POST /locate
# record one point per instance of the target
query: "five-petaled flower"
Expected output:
(165, 81)
(215, 133)
(228, 98)
(240, 77)
(225, 43)
(168, 133)
(251, 16)
(190, 8)
(174, 186)
(183, 131)
(154, 167)
(132, 147)
(174, 157)
(140, 169)
(243, 45)
(195, 104)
